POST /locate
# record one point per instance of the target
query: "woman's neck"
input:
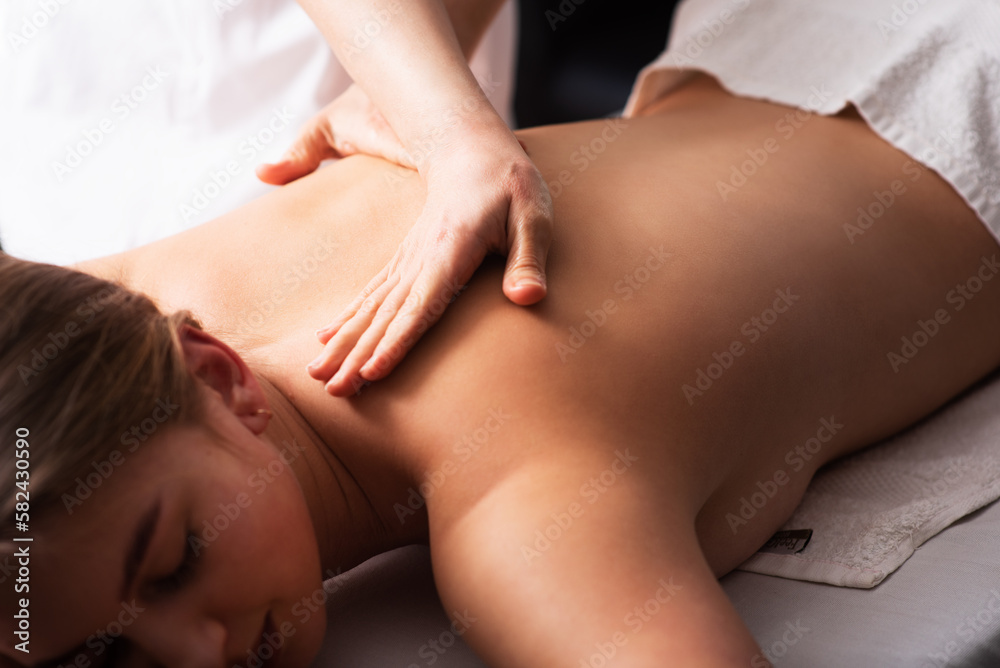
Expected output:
(351, 512)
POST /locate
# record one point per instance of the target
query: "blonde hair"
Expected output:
(84, 362)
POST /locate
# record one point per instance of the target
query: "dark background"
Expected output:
(584, 66)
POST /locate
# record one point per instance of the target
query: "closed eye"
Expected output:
(184, 573)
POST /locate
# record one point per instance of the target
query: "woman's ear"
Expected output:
(224, 371)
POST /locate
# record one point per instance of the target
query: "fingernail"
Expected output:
(315, 364)
(526, 282)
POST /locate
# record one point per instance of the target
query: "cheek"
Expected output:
(262, 537)
(283, 536)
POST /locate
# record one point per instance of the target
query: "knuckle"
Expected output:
(449, 230)
(523, 176)
(526, 265)
(414, 302)
(369, 305)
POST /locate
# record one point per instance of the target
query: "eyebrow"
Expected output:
(140, 545)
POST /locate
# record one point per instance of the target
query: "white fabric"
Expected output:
(941, 609)
(870, 511)
(925, 74)
(202, 80)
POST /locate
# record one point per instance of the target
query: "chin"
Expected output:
(303, 627)
(306, 648)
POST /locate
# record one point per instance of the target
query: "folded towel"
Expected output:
(924, 75)
(870, 511)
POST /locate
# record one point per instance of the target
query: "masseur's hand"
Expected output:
(348, 125)
(483, 195)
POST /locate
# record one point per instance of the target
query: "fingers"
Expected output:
(387, 323)
(328, 365)
(466, 213)
(376, 137)
(360, 357)
(326, 333)
(313, 146)
(529, 238)
(424, 306)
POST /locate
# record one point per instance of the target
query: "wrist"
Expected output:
(462, 129)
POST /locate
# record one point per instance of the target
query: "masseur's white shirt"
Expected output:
(925, 74)
(122, 122)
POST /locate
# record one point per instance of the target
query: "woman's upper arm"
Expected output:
(555, 569)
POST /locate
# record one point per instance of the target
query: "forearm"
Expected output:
(470, 20)
(407, 58)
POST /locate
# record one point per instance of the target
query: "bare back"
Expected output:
(699, 326)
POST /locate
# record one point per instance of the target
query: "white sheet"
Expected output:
(162, 98)
(939, 609)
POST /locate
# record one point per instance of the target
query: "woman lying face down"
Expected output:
(192, 484)
(122, 551)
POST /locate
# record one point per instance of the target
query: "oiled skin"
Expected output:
(568, 413)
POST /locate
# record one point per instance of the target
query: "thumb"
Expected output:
(524, 280)
(312, 147)
(386, 144)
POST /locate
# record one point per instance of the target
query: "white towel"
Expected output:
(870, 511)
(925, 74)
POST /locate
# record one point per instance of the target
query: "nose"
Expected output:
(173, 641)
